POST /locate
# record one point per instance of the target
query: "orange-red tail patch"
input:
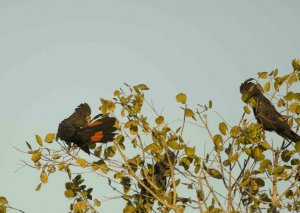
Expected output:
(97, 136)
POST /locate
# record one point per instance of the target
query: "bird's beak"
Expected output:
(88, 119)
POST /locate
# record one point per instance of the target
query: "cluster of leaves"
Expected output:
(250, 171)
(76, 189)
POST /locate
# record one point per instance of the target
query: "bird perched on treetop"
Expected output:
(265, 113)
(81, 130)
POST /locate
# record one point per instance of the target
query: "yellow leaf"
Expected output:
(215, 173)
(123, 112)
(141, 87)
(267, 86)
(262, 74)
(235, 131)
(61, 166)
(95, 167)
(133, 130)
(44, 177)
(104, 167)
(297, 146)
(38, 187)
(36, 156)
(189, 151)
(289, 96)
(131, 123)
(217, 139)
(246, 110)
(296, 64)
(258, 154)
(39, 140)
(97, 203)
(181, 98)
(69, 193)
(174, 145)
(116, 93)
(159, 120)
(223, 128)
(82, 162)
(49, 137)
(188, 113)
(266, 145)
(293, 107)
(119, 175)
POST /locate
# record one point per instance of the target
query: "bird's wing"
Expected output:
(268, 116)
(79, 117)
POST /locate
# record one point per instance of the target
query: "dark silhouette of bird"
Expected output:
(159, 178)
(265, 113)
(81, 130)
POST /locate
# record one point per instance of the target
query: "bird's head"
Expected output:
(65, 130)
(249, 89)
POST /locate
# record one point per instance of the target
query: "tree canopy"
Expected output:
(154, 169)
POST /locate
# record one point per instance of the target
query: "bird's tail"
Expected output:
(99, 130)
(289, 135)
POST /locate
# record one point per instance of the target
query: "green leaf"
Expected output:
(181, 98)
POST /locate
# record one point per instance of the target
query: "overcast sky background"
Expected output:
(57, 54)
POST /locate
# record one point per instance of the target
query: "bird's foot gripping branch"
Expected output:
(154, 166)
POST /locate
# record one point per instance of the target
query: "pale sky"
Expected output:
(57, 54)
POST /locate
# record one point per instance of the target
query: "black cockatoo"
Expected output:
(265, 113)
(81, 130)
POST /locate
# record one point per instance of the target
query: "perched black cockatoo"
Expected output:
(265, 113)
(159, 177)
(81, 130)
